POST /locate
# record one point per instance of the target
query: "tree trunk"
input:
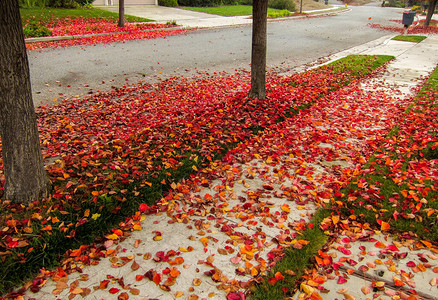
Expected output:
(25, 177)
(121, 13)
(258, 54)
(430, 11)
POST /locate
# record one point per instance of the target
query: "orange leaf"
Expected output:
(279, 276)
(47, 228)
(197, 282)
(135, 266)
(174, 273)
(139, 277)
(104, 284)
(157, 279)
(427, 244)
(75, 253)
(384, 226)
(118, 232)
(135, 292)
(397, 281)
(204, 241)
(380, 245)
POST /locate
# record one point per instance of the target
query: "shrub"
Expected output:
(206, 3)
(35, 30)
(168, 3)
(282, 4)
(84, 2)
(32, 3)
(200, 3)
(54, 3)
(63, 3)
(279, 14)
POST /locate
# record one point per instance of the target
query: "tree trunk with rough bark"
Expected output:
(430, 11)
(258, 54)
(121, 13)
(25, 177)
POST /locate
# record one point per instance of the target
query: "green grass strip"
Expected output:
(394, 199)
(409, 38)
(47, 14)
(229, 10)
(293, 263)
(360, 65)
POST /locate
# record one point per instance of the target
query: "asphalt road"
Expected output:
(71, 71)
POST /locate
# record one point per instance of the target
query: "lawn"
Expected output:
(230, 10)
(48, 15)
(409, 38)
(114, 155)
(86, 26)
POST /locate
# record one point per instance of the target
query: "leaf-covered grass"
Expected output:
(396, 189)
(86, 26)
(409, 38)
(115, 152)
(49, 15)
(360, 65)
(294, 262)
(229, 10)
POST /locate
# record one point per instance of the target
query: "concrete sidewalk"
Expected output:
(366, 258)
(220, 236)
(193, 19)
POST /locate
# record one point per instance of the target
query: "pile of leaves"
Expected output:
(398, 188)
(109, 153)
(105, 39)
(82, 26)
(390, 187)
(100, 30)
(416, 28)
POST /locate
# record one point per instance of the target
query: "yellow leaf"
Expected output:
(349, 297)
(76, 291)
(204, 241)
(137, 226)
(379, 284)
(112, 236)
(285, 208)
(95, 216)
(179, 294)
(194, 168)
(307, 289)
